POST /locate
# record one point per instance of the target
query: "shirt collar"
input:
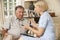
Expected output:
(18, 19)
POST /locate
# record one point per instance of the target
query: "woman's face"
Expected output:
(38, 9)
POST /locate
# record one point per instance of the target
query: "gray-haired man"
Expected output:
(13, 26)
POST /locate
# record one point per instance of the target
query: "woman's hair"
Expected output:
(42, 4)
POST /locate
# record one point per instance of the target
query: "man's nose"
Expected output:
(21, 13)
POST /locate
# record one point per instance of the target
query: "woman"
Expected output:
(45, 30)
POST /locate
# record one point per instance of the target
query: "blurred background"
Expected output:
(7, 9)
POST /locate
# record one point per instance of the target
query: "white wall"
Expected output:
(1, 13)
(54, 6)
(20, 2)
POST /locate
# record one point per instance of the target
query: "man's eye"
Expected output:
(21, 12)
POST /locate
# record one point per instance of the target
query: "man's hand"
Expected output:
(4, 32)
(26, 27)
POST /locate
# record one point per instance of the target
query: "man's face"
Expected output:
(19, 13)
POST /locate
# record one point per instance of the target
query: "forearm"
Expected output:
(39, 32)
(35, 31)
(35, 27)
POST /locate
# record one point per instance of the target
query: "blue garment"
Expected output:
(45, 22)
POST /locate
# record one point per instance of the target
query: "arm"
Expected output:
(38, 32)
(5, 26)
(41, 28)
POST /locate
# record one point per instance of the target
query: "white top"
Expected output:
(46, 22)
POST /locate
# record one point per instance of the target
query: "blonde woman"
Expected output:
(45, 30)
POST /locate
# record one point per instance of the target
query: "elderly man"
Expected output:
(13, 26)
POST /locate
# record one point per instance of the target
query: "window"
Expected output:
(9, 6)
